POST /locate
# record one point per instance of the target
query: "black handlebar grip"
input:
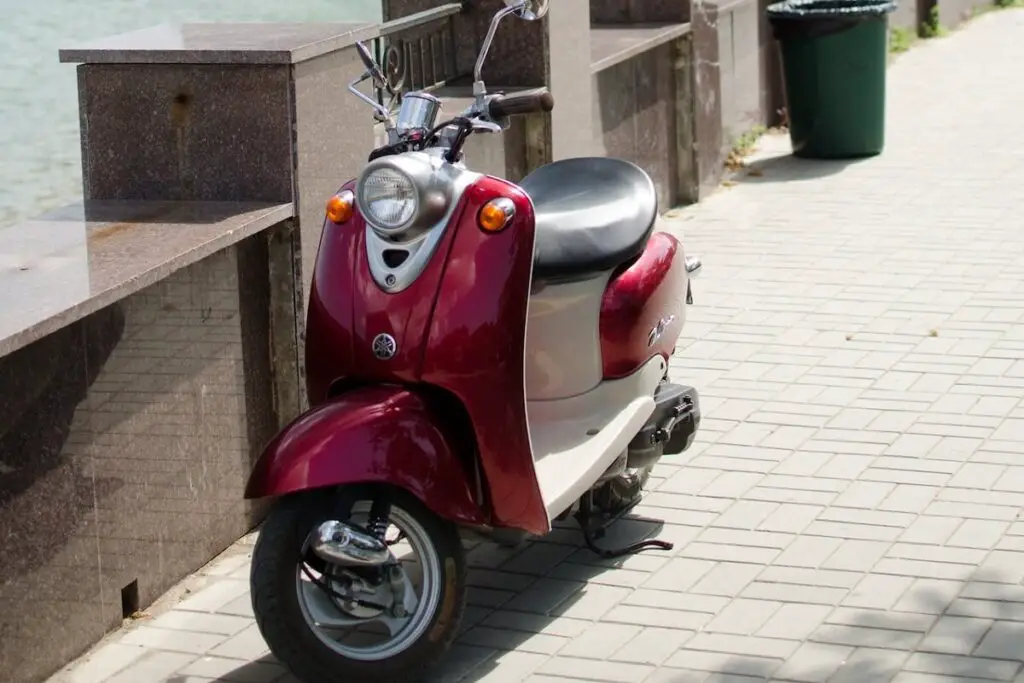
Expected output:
(527, 102)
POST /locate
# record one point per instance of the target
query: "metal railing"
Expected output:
(418, 52)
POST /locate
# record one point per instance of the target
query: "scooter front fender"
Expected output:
(379, 434)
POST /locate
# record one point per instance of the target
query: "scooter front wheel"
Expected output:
(330, 623)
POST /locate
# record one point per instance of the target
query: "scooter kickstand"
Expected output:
(593, 532)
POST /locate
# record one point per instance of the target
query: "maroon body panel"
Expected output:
(382, 433)
(461, 327)
(331, 305)
(652, 289)
(347, 310)
(477, 346)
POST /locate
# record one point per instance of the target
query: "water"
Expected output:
(39, 145)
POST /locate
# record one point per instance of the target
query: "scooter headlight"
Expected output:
(388, 198)
(403, 194)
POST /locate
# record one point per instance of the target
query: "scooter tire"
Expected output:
(280, 618)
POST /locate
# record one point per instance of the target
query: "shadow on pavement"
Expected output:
(515, 596)
(263, 670)
(509, 609)
(968, 631)
(786, 168)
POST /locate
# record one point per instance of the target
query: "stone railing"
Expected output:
(138, 387)
(150, 335)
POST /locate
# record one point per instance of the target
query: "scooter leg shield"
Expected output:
(370, 435)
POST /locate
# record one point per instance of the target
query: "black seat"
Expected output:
(593, 214)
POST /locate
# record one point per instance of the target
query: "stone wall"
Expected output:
(634, 114)
(124, 455)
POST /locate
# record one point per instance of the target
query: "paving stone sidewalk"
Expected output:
(851, 512)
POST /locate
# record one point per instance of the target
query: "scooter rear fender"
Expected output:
(379, 434)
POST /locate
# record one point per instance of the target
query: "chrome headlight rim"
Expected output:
(382, 165)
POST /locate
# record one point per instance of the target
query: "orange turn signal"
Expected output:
(340, 206)
(496, 214)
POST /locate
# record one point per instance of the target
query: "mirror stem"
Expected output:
(382, 112)
(479, 89)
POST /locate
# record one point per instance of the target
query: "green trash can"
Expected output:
(834, 57)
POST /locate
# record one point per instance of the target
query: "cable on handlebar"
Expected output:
(458, 120)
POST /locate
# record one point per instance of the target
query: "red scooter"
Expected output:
(482, 358)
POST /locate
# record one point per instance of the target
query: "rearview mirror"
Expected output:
(366, 57)
(379, 79)
(531, 10)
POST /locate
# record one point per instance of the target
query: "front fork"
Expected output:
(363, 552)
(380, 513)
(377, 526)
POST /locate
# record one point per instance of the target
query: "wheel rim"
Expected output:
(340, 629)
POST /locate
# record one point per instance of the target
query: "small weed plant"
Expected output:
(743, 146)
(932, 27)
(901, 39)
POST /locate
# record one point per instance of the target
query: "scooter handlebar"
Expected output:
(527, 102)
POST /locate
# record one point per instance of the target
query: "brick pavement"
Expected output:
(851, 510)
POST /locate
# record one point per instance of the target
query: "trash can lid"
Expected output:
(815, 9)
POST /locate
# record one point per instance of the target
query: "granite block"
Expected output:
(748, 72)
(727, 86)
(73, 261)
(635, 116)
(656, 149)
(706, 96)
(186, 132)
(610, 45)
(615, 109)
(639, 11)
(126, 470)
(773, 95)
(572, 128)
(334, 135)
(221, 43)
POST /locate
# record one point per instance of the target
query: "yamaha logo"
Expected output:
(384, 347)
(659, 330)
